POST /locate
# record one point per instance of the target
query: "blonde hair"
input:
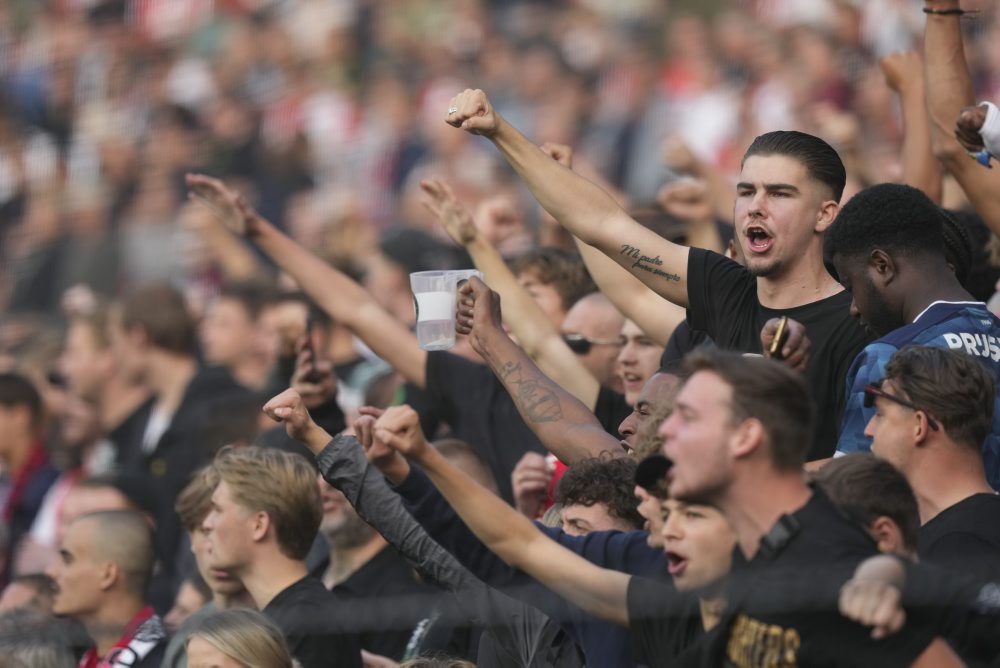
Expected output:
(246, 636)
(195, 500)
(281, 484)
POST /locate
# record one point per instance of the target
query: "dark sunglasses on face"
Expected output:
(875, 390)
(581, 345)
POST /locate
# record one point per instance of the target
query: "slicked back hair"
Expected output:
(821, 161)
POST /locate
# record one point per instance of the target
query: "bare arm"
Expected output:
(562, 423)
(904, 75)
(949, 90)
(332, 290)
(582, 207)
(535, 333)
(513, 537)
(235, 259)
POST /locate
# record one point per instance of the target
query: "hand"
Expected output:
(970, 122)
(393, 465)
(902, 70)
(530, 481)
(687, 200)
(440, 200)
(230, 206)
(313, 378)
(288, 407)
(473, 113)
(561, 153)
(499, 219)
(795, 351)
(369, 660)
(399, 429)
(679, 157)
(872, 597)
(478, 313)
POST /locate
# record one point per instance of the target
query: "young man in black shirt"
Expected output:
(932, 412)
(788, 195)
(737, 439)
(265, 514)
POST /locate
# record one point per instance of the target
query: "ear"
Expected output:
(887, 534)
(747, 438)
(826, 215)
(922, 429)
(881, 266)
(260, 523)
(109, 573)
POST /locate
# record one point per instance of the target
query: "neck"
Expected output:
(345, 561)
(927, 292)
(947, 478)
(341, 349)
(228, 601)
(251, 372)
(271, 574)
(804, 283)
(752, 514)
(107, 626)
(711, 611)
(169, 377)
(119, 399)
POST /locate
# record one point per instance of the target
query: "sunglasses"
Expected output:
(581, 345)
(875, 390)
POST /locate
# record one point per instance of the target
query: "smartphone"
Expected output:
(780, 337)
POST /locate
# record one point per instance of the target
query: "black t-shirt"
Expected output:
(682, 341)
(475, 403)
(722, 302)
(965, 537)
(782, 606)
(304, 612)
(664, 622)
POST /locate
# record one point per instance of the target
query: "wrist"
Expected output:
(316, 438)
(396, 471)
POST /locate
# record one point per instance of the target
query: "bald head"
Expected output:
(597, 320)
(123, 537)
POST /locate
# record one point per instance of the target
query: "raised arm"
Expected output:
(949, 90)
(535, 333)
(563, 424)
(332, 290)
(512, 536)
(582, 207)
(905, 76)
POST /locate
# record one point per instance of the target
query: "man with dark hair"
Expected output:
(230, 334)
(555, 277)
(933, 409)
(264, 516)
(595, 494)
(104, 566)
(165, 439)
(886, 248)
(787, 197)
(875, 494)
(23, 457)
(740, 425)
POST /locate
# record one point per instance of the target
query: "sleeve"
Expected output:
(611, 409)
(717, 288)
(867, 368)
(624, 551)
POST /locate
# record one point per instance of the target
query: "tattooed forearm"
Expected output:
(647, 263)
(537, 402)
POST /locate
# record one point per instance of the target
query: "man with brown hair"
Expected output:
(166, 438)
(264, 516)
(933, 410)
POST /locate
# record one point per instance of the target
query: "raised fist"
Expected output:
(471, 110)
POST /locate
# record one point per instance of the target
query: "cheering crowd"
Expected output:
(723, 392)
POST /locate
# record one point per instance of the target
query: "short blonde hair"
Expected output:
(195, 500)
(246, 636)
(281, 484)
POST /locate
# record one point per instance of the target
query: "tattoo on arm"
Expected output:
(538, 402)
(646, 263)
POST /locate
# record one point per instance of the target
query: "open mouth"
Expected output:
(631, 378)
(758, 240)
(675, 563)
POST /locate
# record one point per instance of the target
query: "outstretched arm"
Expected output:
(562, 423)
(579, 205)
(505, 531)
(949, 90)
(535, 333)
(332, 290)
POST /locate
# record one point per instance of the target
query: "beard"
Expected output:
(351, 532)
(880, 317)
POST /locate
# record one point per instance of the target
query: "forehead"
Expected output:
(758, 169)
(656, 390)
(705, 388)
(631, 330)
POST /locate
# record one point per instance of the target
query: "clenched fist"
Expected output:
(471, 110)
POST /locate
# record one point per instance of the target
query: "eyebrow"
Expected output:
(768, 186)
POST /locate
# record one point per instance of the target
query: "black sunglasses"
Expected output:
(581, 345)
(875, 390)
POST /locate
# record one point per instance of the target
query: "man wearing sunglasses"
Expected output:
(591, 330)
(887, 248)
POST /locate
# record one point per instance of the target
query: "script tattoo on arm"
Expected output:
(646, 263)
(537, 401)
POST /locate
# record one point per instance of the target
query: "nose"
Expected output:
(672, 530)
(626, 356)
(870, 428)
(628, 425)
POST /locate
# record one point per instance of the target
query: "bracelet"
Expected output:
(953, 11)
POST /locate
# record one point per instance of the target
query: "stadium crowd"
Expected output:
(723, 391)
